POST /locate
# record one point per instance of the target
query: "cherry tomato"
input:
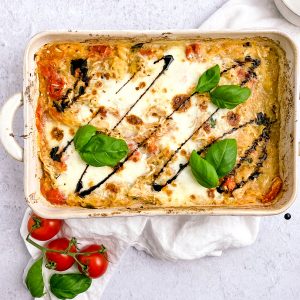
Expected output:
(229, 184)
(55, 83)
(102, 50)
(46, 70)
(55, 87)
(59, 261)
(43, 229)
(146, 52)
(192, 51)
(54, 196)
(273, 191)
(96, 264)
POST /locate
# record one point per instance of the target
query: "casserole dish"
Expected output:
(33, 172)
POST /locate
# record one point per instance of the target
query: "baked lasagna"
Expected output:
(142, 93)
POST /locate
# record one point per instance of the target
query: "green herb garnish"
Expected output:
(68, 286)
(218, 162)
(203, 171)
(224, 96)
(83, 136)
(222, 156)
(98, 149)
(208, 80)
(229, 96)
(34, 279)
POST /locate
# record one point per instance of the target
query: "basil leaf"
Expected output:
(222, 156)
(203, 171)
(68, 286)
(103, 150)
(208, 80)
(83, 135)
(34, 279)
(229, 96)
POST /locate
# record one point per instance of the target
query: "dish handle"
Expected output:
(7, 114)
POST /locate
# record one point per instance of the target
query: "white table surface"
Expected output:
(270, 269)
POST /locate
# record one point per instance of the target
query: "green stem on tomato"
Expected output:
(33, 243)
(73, 254)
(37, 223)
(72, 242)
(83, 267)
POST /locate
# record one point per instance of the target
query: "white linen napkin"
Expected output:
(174, 237)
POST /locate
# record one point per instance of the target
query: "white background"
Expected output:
(270, 269)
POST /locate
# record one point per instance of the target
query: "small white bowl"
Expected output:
(290, 9)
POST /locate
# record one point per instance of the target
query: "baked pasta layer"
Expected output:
(143, 93)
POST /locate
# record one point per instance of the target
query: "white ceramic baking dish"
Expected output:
(288, 145)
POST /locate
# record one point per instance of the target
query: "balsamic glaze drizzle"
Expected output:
(137, 46)
(55, 155)
(81, 64)
(251, 70)
(91, 189)
(259, 165)
(79, 184)
(168, 59)
(261, 119)
(125, 83)
(65, 102)
(182, 144)
(255, 63)
(256, 171)
(138, 145)
(231, 67)
(159, 187)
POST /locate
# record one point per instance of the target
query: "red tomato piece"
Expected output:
(96, 264)
(43, 229)
(60, 261)
(146, 52)
(192, 51)
(55, 83)
(273, 191)
(55, 87)
(229, 184)
(54, 196)
(102, 50)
